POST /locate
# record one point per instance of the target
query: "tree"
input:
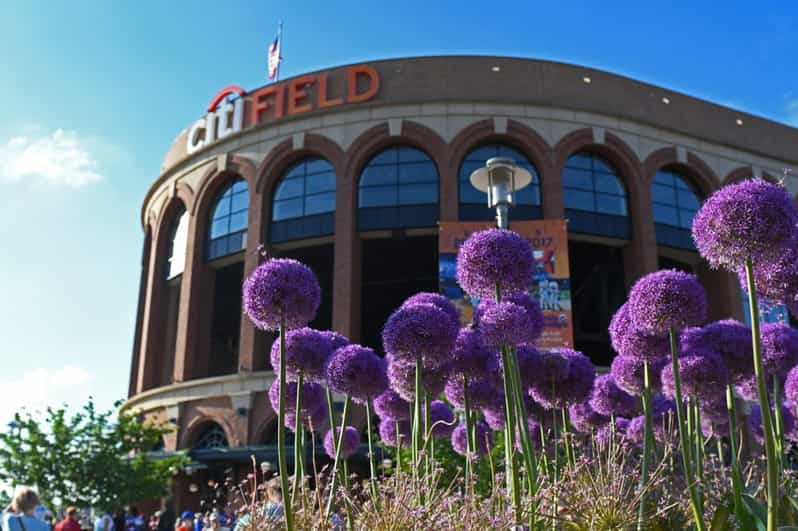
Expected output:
(88, 459)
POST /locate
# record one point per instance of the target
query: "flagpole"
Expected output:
(279, 49)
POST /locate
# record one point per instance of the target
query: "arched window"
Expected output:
(675, 202)
(398, 188)
(304, 203)
(213, 437)
(177, 245)
(228, 234)
(595, 197)
(473, 203)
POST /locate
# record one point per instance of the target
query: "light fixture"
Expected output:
(666, 100)
(587, 79)
(739, 121)
(496, 68)
(193, 488)
(500, 178)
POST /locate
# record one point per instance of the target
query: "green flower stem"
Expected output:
(298, 472)
(736, 475)
(566, 435)
(698, 455)
(416, 436)
(338, 445)
(719, 442)
(648, 438)
(683, 437)
(281, 457)
(372, 466)
(767, 428)
(470, 443)
(429, 440)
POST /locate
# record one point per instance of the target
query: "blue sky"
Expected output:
(94, 93)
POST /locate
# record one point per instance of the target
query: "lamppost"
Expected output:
(500, 178)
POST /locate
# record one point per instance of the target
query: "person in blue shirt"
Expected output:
(19, 515)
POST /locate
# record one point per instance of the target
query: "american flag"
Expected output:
(274, 57)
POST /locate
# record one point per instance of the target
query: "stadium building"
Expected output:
(351, 169)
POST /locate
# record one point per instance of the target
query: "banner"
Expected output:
(549, 284)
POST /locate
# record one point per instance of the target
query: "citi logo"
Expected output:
(224, 118)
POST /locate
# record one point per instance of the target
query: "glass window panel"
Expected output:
(579, 200)
(517, 156)
(389, 156)
(319, 203)
(610, 204)
(177, 258)
(317, 166)
(289, 208)
(378, 196)
(687, 199)
(528, 196)
(663, 194)
(681, 183)
(320, 182)
(240, 202)
(219, 227)
(580, 160)
(580, 179)
(418, 172)
(665, 214)
(296, 172)
(686, 218)
(663, 177)
(469, 194)
(418, 194)
(239, 186)
(480, 155)
(238, 221)
(412, 155)
(378, 175)
(600, 164)
(609, 184)
(467, 169)
(290, 188)
(222, 208)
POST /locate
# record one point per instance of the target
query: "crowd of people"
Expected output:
(25, 513)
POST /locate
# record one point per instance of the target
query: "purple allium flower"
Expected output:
(481, 392)
(420, 329)
(729, 338)
(313, 397)
(313, 421)
(522, 299)
(442, 418)
(306, 353)
(388, 431)
(494, 417)
(791, 387)
(715, 410)
(627, 340)
(661, 405)
(755, 423)
(753, 219)
(573, 388)
(712, 427)
(608, 398)
(604, 433)
(336, 340)
(402, 378)
(533, 429)
(775, 279)
(507, 323)
(491, 257)
(629, 374)
(389, 405)
(660, 424)
(484, 438)
(584, 418)
(358, 372)
(703, 375)
(748, 390)
(351, 442)
(436, 299)
(281, 288)
(667, 299)
(470, 357)
(529, 364)
(553, 367)
(779, 349)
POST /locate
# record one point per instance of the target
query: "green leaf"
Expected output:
(757, 510)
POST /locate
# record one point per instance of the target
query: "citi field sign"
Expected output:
(233, 109)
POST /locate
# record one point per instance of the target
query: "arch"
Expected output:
(695, 168)
(198, 425)
(266, 427)
(283, 155)
(517, 136)
(742, 173)
(303, 203)
(227, 233)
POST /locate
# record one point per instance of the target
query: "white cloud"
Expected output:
(59, 157)
(35, 389)
(791, 110)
